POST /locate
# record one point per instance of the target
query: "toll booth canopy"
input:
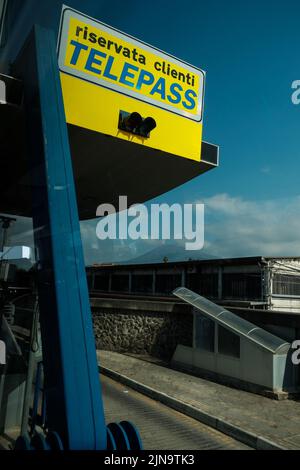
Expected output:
(132, 112)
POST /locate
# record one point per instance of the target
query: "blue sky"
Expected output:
(250, 52)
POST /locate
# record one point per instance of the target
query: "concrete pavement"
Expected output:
(161, 427)
(255, 420)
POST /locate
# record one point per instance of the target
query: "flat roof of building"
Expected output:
(249, 260)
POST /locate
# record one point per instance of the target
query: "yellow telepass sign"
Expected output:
(150, 80)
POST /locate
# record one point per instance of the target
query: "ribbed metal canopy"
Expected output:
(233, 322)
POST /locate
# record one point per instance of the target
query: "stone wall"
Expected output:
(142, 331)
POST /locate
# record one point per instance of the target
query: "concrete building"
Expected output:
(255, 282)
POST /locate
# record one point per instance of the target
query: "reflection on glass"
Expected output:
(204, 333)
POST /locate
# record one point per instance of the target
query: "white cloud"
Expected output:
(238, 227)
(234, 226)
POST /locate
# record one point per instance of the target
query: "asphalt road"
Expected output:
(160, 427)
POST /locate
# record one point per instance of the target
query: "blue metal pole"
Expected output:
(73, 393)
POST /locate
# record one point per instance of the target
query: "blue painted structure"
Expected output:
(74, 408)
(73, 396)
